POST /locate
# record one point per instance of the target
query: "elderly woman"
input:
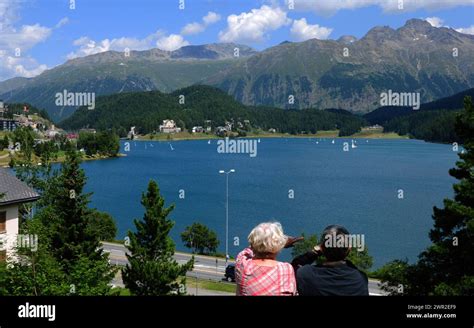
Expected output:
(257, 272)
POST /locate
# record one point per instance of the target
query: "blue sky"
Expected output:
(49, 32)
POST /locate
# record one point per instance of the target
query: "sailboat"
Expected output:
(209, 142)
(353, 144)
(171, 146)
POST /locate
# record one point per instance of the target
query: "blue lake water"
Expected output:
(357, 188)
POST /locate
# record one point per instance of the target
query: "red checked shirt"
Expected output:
(257, 280)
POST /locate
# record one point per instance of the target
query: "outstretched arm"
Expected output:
(306, 258)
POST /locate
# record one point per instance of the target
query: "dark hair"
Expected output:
(334, 252)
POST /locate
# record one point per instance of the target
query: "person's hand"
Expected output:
(292, 240)
(317, 250)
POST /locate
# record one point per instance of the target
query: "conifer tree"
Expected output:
(447, 266)
(152, 270)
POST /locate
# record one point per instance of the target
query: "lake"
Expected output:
(359, 188)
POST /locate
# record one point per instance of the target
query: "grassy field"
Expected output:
(59, 158)
(210, 285)
(365, 133)
(377, 133)
(177, 136)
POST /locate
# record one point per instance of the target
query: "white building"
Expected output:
(198, 129)
(169, 126)
(15, 193)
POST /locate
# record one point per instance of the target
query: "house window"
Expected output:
(3, 222)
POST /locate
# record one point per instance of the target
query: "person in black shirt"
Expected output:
(336, 276)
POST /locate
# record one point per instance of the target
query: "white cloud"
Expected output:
(195, 27)
(253, 26)
(302, 31)
(171, 42)
(20, 66)
(87, 46)
(466, 30)
(330, 7)
(435, 21)
(211, 18)
(23, 38)
(62, 22)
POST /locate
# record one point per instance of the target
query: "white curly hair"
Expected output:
(267, 237)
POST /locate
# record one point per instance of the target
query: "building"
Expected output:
(15, 193)
(72, 136)
(198, 129)
(169, 126)
(85, 130)
(222, 131)
(3, 108)
(51, 133)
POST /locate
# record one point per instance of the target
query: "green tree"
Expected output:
(361, 259)
(70, 237)
(304, 245)
(152, 270)
(447, 266)
(4, 143)
(25, 138)
(200, 238)
(66, 220)
(69, 259)
(103, 225)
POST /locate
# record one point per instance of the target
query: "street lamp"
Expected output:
(227, 213)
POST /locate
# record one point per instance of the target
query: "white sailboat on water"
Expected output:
(209, 142)
(332, 141)
(171, 146)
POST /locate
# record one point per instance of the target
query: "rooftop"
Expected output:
(14, 189)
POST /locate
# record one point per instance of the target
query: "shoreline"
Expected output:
(84, 159)
(275, 136)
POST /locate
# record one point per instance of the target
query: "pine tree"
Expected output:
(451, 258)
(66, 217)
(69, 259)
(447, 266)
(152, 269)
(70, 238)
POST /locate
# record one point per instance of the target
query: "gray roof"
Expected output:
(14, 189)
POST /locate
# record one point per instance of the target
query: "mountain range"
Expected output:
(347, 73)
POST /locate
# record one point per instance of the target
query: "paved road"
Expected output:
(205, 267)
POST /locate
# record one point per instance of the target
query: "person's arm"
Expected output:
(244, 256)
(306, 258)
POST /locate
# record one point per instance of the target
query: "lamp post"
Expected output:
(227, 213)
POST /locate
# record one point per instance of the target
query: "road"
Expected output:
(205, 267)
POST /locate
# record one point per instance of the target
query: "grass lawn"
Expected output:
(177, 136)
(210, 285)
(365, 133)
(377, 133)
